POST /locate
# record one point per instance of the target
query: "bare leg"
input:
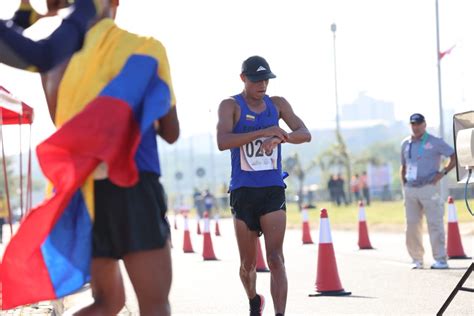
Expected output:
(107, 288)
(150, 273)
(247, 243)
(273, 226)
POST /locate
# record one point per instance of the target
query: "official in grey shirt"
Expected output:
(420, 174)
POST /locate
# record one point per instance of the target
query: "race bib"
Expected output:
(411, 172)
(253, 157)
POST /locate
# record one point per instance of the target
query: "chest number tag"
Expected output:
(253, 158)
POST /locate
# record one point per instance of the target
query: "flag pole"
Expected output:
(438, 59)
(442, 182)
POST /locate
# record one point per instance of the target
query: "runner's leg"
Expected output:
(247, 243)
(107, 288)
(150, 273)
(273, 227)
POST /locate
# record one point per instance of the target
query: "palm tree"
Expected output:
(335, 156)
(294, 166)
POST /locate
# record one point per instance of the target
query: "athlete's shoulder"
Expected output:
(277, 99)
(229, 100)
(228, 103)
(280, 102)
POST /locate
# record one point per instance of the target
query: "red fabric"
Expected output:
(104, 131)
(446, 52)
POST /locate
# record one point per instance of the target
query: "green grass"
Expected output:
(379, 215)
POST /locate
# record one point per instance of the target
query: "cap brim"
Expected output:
(261, 77)
(416, 121)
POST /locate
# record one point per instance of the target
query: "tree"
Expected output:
(380, 153)
(335, 155)
(294, 166)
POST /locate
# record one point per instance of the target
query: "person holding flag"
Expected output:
(109, 93)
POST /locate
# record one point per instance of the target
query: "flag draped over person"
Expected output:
(105, 117)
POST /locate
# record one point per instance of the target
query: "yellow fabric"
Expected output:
(106, 49)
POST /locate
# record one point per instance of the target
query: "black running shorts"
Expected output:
(129, 219)
(248, 204)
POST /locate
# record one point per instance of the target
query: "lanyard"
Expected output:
(421, 148)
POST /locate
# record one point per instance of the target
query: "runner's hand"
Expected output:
(269, 144)
(275, 131)
(55, 5)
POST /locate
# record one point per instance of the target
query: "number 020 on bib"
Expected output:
(253, 157)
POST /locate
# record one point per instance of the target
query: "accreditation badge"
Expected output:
(253, 157)
(412, 170)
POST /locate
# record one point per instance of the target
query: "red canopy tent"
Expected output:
(15, 112)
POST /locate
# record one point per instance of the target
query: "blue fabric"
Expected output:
(67, 250)
(145, 101)
(269, 117)
(50, 52)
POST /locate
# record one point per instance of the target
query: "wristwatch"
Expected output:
(444, 171)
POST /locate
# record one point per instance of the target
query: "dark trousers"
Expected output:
(366, 194)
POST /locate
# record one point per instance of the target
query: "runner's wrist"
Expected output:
(279, 139)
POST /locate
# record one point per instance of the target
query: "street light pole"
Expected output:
(333, 29)
(340, 140)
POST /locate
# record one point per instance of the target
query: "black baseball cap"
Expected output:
(256, 69)
(416, 118)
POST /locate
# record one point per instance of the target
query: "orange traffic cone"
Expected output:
(306, 230)
(327, 279)
(261, 266)
(218, 231)
(207, 249)
(454, 248)
(187, 246)
(364, 241)
(198, 229)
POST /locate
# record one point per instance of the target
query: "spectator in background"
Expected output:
(208, 202)
(355, 187)
(332, 188)
(339, 190)
(198, 202)
(420, 174)
(364, 188)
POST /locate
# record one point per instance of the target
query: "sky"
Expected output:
(385, 48)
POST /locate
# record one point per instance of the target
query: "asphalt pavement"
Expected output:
(380, 280)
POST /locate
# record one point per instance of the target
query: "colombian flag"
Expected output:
(49, 257)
